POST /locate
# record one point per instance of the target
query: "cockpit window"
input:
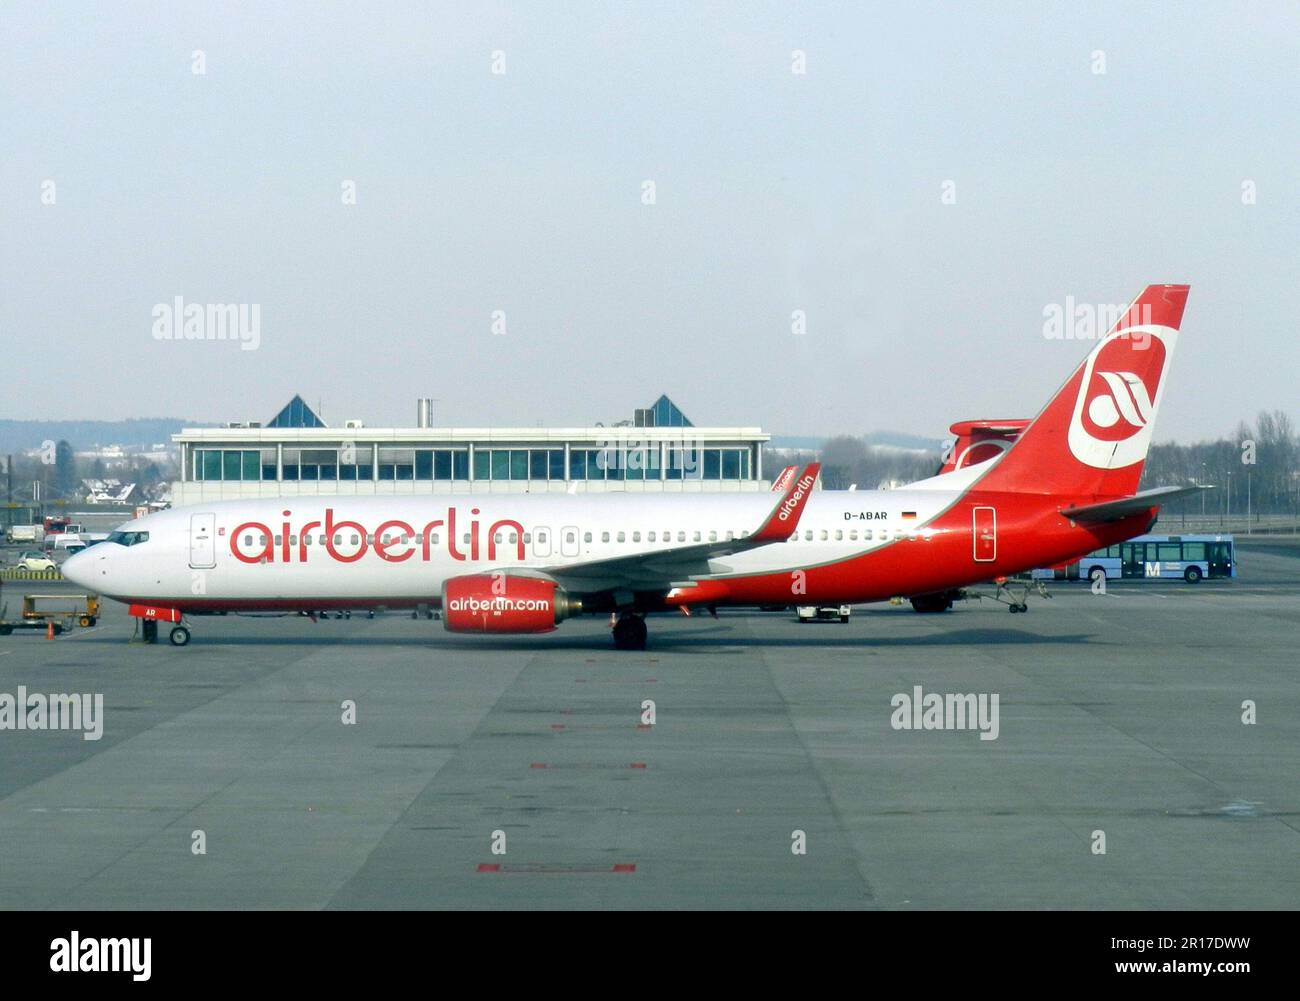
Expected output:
(128, 538)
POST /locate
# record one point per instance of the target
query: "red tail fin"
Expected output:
(1092, 438)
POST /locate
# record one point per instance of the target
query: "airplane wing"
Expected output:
(1143, 500)
(664, 568)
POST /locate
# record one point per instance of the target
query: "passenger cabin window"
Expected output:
(636, 536)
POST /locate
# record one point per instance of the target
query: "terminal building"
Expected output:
(296, 453)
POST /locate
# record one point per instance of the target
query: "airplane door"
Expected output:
(569, 541)
(203, 543)
(984, 522)
(542, 542)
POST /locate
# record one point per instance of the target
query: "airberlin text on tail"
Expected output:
(784, 519)
(1092, 438)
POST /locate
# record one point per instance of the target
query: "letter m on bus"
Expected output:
(1153, 569)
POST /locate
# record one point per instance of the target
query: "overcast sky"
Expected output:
(524, 192)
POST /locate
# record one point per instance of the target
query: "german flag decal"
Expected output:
(909, 516)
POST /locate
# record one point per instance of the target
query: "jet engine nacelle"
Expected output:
(502, 603)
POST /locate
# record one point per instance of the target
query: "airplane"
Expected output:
(979, 441)
(783, 479)
(522, 563)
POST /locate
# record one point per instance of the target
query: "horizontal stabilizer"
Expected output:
(1142, 501)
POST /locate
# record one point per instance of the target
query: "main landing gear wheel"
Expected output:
(930, 604)
(630, 632)
(179, 636)
(1018, 606)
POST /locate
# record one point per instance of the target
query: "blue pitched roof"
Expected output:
(667, 414)
(296, 414)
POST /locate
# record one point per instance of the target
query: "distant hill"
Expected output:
(18, 436)
(883, 439)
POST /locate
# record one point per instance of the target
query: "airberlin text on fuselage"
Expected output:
(394, 540)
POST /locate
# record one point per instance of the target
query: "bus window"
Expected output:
(1169, 552)
(1194, 552)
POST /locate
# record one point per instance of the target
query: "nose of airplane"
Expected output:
(80, 568)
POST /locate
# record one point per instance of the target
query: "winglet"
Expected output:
(782, 482)
(784, 519)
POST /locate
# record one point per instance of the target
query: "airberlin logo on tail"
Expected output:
(1127, 399)
(1118, 397)
(790, 503)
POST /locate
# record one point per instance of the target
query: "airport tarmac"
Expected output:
(1119, 713)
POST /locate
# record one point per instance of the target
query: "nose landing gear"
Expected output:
(149, 616)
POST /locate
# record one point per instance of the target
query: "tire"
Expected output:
(844, 618)
(6, 630)
(85, 621)
(630, 633)
(1192, 575)
(179, 636)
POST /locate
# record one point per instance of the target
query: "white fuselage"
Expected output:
(401, 549)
